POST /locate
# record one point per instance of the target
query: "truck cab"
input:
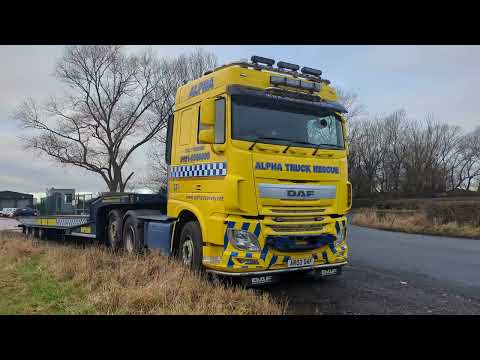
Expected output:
(258, 178)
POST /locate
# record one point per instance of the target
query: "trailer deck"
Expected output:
(94, 224)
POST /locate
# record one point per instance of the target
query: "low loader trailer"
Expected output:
(257, 179)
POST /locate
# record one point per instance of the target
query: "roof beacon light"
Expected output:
(262, 60)
(285, 65)
(310, 71)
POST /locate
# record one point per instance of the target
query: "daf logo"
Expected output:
(261, 280)
(300, 193)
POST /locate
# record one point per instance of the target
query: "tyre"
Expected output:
(114, 230)
(42, 234)
(133, 235)
(190, 245)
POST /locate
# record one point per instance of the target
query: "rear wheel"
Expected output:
(190, 246)
(114, 230)
(133, 235)
(42, 234)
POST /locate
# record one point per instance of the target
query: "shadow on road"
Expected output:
(363, 290)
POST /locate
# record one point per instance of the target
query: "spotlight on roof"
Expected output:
(262, 60)
(285, 65)
(310, 71)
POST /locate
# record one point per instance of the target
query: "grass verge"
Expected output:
(50, 278)
(414, 222)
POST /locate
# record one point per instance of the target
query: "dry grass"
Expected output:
(418, 222)
(102, 282)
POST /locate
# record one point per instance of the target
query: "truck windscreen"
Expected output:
(264, 120)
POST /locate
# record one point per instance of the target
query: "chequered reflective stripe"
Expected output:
(199, 170)
(71, 222)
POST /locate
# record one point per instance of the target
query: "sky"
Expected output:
(440, 80)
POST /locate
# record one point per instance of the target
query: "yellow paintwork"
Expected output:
(86, 229)
(217, 200)
(46, 221)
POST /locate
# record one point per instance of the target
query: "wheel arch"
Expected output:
(184, 216)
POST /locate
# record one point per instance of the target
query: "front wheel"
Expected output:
(190, 247)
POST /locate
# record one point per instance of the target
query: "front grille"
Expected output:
(294, 211)
(296, 227)
(298, 243)
(297, 219)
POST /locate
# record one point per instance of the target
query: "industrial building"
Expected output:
(12, 199)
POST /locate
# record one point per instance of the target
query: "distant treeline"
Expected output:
(397, 155)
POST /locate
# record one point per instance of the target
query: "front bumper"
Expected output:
(274, 256)
(278, 271)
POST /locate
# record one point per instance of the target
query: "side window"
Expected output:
(187, 134)
(168, 145)
(184, 138)
(220, 121)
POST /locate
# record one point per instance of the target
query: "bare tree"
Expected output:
(465, 168)
(394, 148)
(366, 155)
(349, 99)
(115, 104)
(182, 69)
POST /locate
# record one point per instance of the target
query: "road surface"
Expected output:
(9, 224)
(393, 273)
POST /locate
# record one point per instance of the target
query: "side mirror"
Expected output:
(207, 112)
(207, 136)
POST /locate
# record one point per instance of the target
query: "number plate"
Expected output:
(300, 262)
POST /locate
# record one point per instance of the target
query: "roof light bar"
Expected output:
(296, 83)
(289, 66)
(310, 71)
(262, 60)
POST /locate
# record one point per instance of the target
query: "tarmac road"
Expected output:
(393, 273)
(9, 224)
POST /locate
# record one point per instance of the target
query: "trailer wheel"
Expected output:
(132, 235)
(114, 230)
(190, 246)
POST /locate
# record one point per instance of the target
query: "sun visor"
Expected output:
(287, 98)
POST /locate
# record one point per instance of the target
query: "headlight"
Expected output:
(243, 240)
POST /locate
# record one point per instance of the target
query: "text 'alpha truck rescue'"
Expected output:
(258, 171)
(257, 179)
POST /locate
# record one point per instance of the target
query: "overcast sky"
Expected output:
(441, 80)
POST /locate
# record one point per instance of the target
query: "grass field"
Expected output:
(51, 278)
(421, 221)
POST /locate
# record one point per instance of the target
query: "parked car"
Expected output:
(8, 212)
(25, 212)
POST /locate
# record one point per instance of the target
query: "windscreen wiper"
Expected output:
(331, 145)
(296, 142)
(264, 138)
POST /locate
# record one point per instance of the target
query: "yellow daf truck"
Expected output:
(257, 182)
